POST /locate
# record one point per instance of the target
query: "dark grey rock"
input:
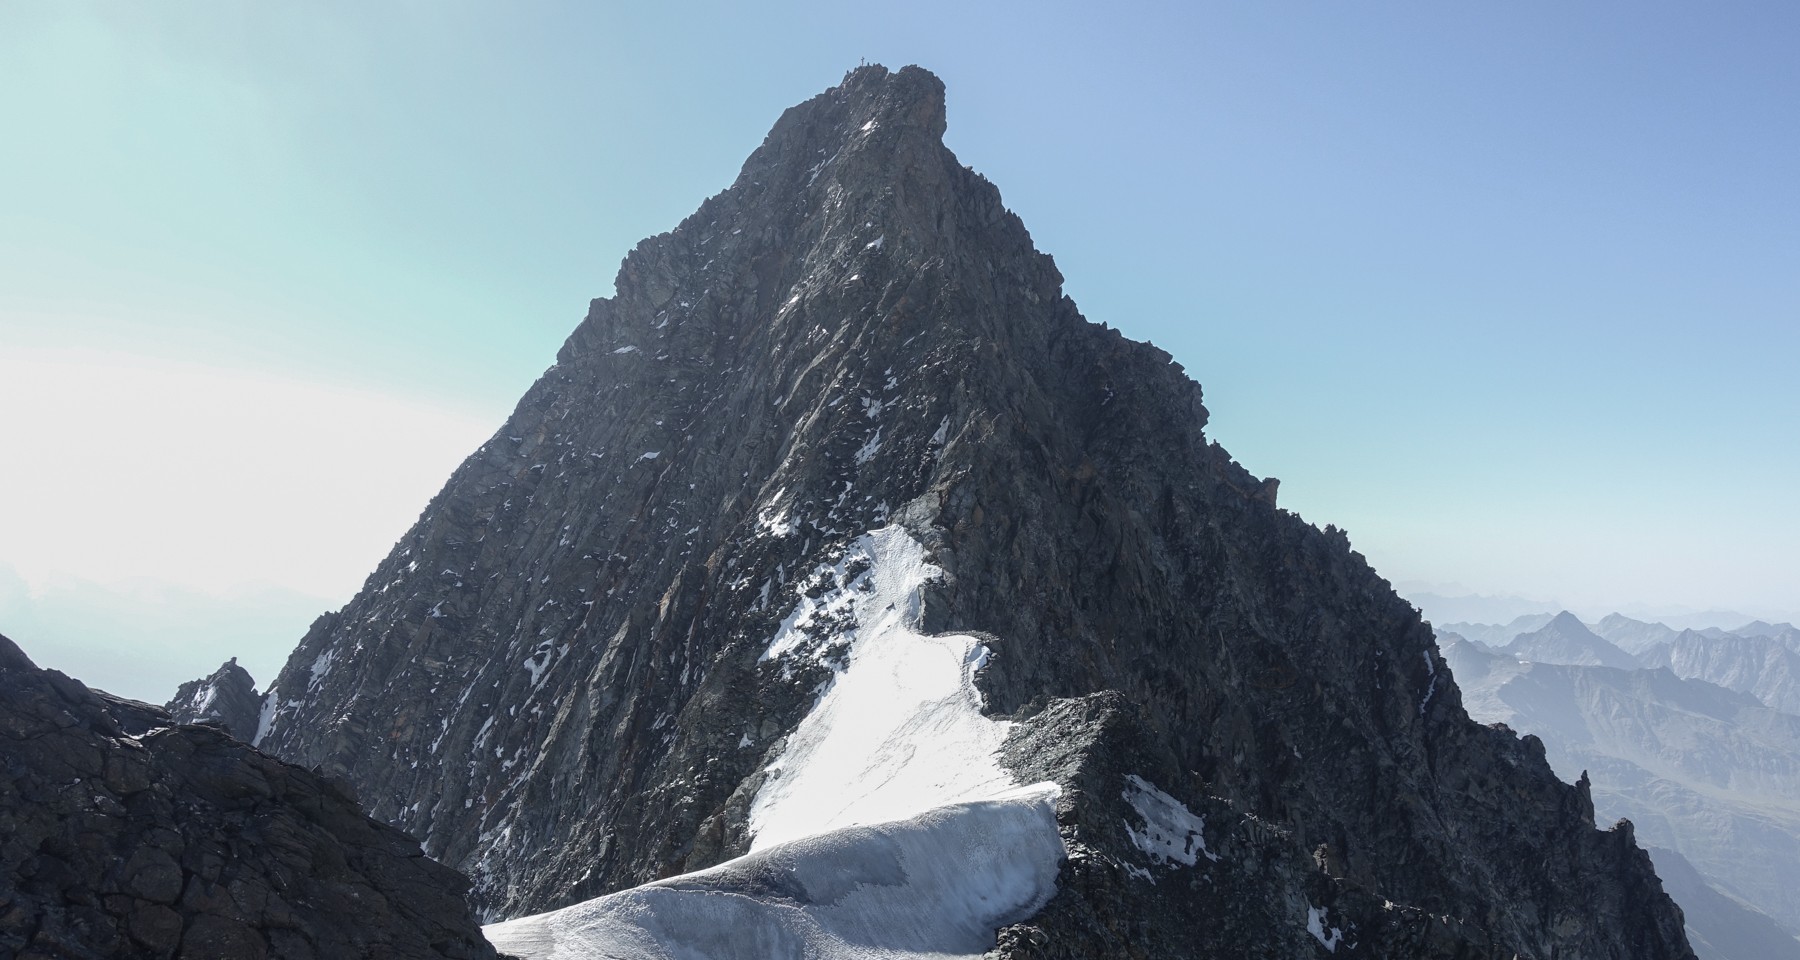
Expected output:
(123, 834)
(555, 681)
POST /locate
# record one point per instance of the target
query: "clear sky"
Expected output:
(1509, 291)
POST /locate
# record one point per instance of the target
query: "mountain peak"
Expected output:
(1568, 622)
(1566, 640)
(837, 437)
(906, 104)
(227, 697)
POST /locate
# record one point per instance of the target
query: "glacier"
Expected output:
(887, 827)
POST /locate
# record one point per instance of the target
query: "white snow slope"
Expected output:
(900, 730)
(887, 828)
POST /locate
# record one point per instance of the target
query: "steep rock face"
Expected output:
(228, 698)
(123, 835)
(561, 679)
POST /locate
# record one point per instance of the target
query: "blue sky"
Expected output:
(1510, 292)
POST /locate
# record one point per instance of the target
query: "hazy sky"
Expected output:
(1509, 291)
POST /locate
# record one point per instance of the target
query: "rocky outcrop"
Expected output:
(227, 698)
(123, 834)
(566, 680)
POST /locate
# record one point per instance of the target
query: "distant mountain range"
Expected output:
(1439, 606)
(1758, 658)
(1564, 639)
(1692, 734)
(1454, 603)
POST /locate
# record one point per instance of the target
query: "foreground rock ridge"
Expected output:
(123, 834)
(585, 667)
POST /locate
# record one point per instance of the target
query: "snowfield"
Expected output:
(932, 886)
(887, 827)
(900, 729)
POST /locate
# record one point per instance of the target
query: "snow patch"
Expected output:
(869, 448)
(775, 522)
(1431, 688)
(271, 704)
(1316, 920)
(536, 666)
(1172, 833)
(628, 348)
(321, 668)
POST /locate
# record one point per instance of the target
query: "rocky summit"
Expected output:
(125, 834)
(842, 591)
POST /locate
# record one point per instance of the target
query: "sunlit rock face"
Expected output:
(839, 517)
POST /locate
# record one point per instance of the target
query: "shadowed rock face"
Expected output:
(123, 835)
(227, 698)
(557, 677)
